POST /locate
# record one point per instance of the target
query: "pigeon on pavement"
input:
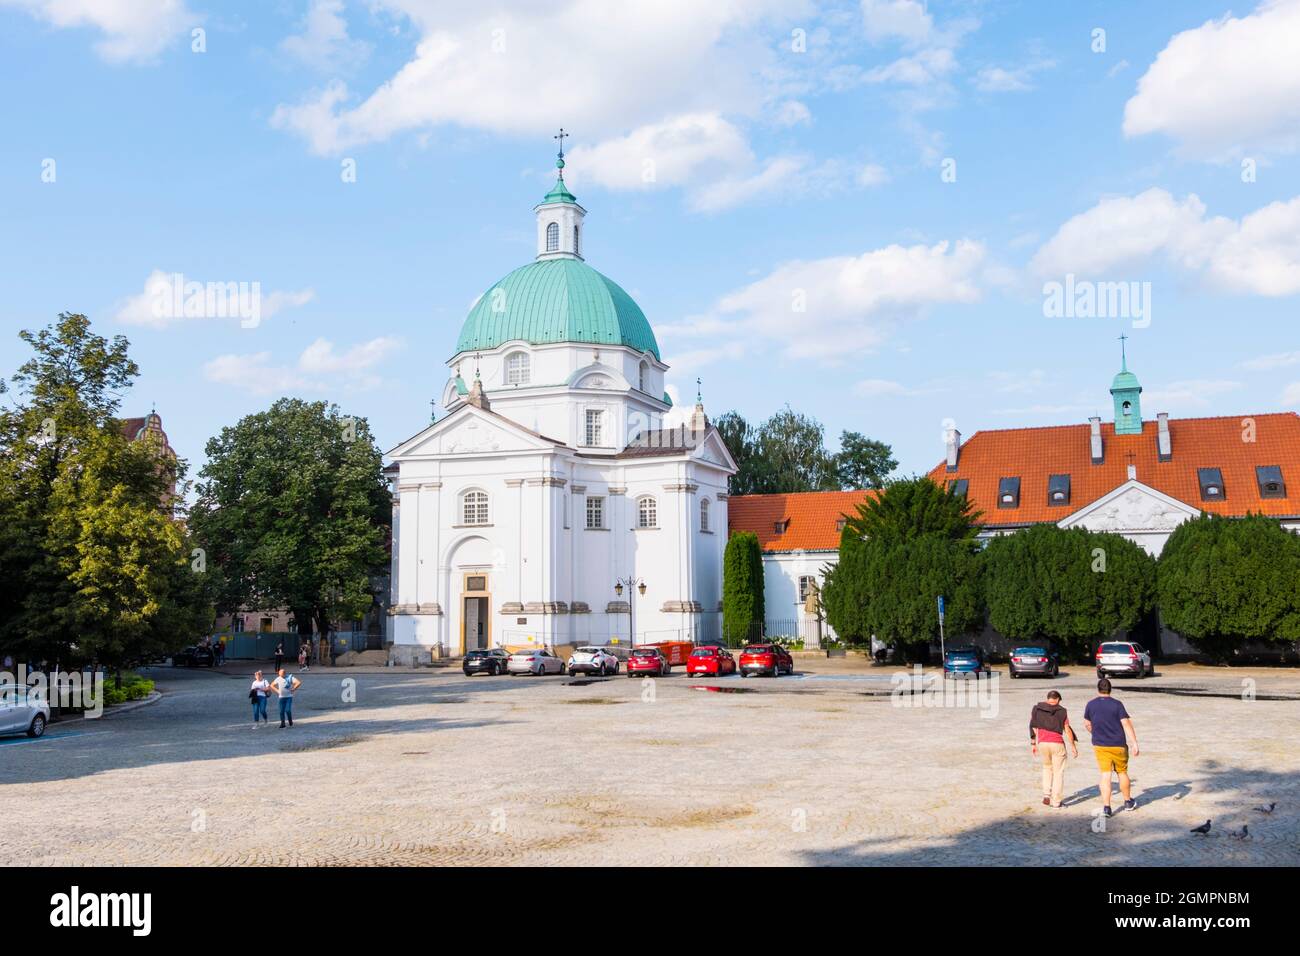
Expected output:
(1268, 809)
(1203, 828)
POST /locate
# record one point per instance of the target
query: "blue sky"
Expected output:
(734, 162)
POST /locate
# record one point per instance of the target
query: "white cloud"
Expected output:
(169, 298)
(318, 368)
(673, 152)
(1266, 363)
(1291, 395)
(876, 387)
(771, 180)
(1187, 395)
(792, 113)
(323, 40)
(1260, 255)
(925, 68)
(905, 20)
(134, 30)
(997, 79)
(833, 308)
(1226, 87)
(872, 175)
(618, 66)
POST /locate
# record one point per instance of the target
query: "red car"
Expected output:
(647, 661)
(765, 659)
(715, 661)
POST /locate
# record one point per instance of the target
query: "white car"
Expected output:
(592, 660)
(537, 661)
(1123, 657)
(23, 710)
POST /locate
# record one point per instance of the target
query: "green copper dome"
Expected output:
(556, 300)
(1125, 380)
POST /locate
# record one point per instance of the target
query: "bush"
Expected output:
(742, 588)
(134, 687)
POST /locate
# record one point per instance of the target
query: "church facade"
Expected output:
(553, 501)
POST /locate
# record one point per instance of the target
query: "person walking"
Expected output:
(1049, 735)
(257, 694)
(284, 686)
(1113, 741)
(303, 656)
(279, 656)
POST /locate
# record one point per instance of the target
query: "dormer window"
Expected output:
(518, 368)
(1058, 490)
(1270, 481)
(1211, 482)
(780, 526)
(840, 523)
(1009, 493)
(553, 237)
(959, 487)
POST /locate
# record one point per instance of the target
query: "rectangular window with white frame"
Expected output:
(806, 583)
(596, 513)
(595, 421)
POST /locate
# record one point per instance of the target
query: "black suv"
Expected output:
(491, 660)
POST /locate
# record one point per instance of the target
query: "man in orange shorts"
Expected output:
(1113, 741)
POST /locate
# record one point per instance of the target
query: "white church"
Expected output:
(552, 503)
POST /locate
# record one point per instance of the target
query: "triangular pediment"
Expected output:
(1132, 507)
(471, 431)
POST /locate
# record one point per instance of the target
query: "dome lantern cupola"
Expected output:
(559, 217)
(1126, 391)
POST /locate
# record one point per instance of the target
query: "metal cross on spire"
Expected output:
(1123, 355)
(561, 136)
(699, 398)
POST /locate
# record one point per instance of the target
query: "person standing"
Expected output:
(284, 686)
(303, 655)
(1049, 735)
(257, 694)
(279, 656)
(1113, 741)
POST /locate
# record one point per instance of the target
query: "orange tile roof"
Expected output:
(812, 517)
(1033, 454)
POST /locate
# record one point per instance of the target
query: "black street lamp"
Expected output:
(631, 584)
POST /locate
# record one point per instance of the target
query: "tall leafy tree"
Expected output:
(742, 588)
(293, 509)
(792, 448)
(903, 549)
(1224, 581)
(863, 462)
(1072, 587)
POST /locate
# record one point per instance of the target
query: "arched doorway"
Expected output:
(469, 578)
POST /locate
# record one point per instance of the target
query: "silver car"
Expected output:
(1123, 657)
(537, 661)
(23, 710)
(592, 660)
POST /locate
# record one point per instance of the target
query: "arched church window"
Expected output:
(518, 368)
(643, 377)
(474, 507)
(1128, 408)
(553, 237)
(647, 513)
(575, 241)
(704, 514)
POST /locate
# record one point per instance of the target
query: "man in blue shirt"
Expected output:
(1113, 741)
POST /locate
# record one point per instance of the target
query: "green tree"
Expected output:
(742, 588)
(93, 565)
(293, 510)
(889, 589)
(903, 549)
(1223, 581)
(741, 440)
(1072, 587)
(863, 462)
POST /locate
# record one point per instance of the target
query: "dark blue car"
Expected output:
(965, 661)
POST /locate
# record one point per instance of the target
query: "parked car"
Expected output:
(592, 660)
(196, 655)
(490, 660)
(1123, 657)
(538, 662)
(645, 661)
(765, 659)
(1033, 660)
(713, 661)
(23, 710)
(965, 661)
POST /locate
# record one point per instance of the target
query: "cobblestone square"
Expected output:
(430, 767)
